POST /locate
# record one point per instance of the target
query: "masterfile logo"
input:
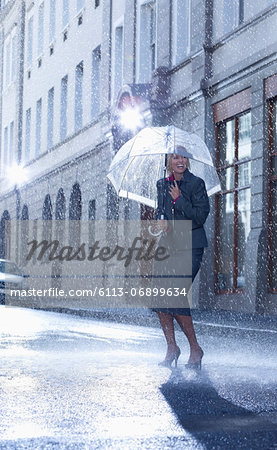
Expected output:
(101, 263)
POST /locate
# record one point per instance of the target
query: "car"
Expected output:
(11, 277)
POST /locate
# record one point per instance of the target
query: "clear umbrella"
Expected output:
(140, 162)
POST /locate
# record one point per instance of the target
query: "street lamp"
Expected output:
(16, 174)
(131, 119)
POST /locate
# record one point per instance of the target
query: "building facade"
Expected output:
(209, 66)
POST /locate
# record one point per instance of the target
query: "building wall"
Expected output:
(229, 62)
(10, 73)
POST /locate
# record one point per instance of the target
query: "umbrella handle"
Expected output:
(154, 234)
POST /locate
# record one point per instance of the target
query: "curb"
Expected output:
(208, 319)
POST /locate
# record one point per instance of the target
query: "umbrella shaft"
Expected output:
(173, 218)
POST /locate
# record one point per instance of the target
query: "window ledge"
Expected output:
(190, 57)
(230, 292)
(52, 43)
(66, 28)
(80, 12)
(8, 86)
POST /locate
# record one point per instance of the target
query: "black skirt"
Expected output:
(196, 255)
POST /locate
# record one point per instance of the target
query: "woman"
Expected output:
(182, 196)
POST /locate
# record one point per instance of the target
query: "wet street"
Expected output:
(72, 383)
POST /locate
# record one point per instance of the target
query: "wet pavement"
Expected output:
(74, 383)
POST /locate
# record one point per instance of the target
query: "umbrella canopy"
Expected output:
(140, 162)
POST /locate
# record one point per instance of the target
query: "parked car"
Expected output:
(11, 277)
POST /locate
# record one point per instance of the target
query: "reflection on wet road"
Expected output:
(69, 382)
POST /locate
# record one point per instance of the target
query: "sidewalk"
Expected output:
(202, 318)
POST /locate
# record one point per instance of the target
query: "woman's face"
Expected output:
(178, 164)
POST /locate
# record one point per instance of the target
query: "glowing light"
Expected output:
(131, 119)
(16, 174)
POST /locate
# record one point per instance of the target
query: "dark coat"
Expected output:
(193, 204)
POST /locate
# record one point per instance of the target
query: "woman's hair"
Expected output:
(169, 159)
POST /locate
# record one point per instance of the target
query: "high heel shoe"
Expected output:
(195, 365)
(173, 357)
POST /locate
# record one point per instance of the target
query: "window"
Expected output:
(181, 30)
(117, 60)
(153, 36)
(10, 58)
(30, 41)
(40, 28)
(79, 96)
(52, 22)
(80, 4)
(8, 64)
(227, 16)
(271, 96)
(91, 210)
(6, 149)
(146, 41)
(13, 67)
(97, 3)
(50, 118)
(273, 197)
(91, 216)
(63, 115)
(251, 9)
(65, 16)
(95, 82)
(233, 203)
(11, 143)
(28, 134)
(38, 126)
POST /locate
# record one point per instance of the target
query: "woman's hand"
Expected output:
(174, 190)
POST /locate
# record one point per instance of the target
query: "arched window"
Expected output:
(5, 235)
(24, 234)
(91, 217)
(47, 221)
(60, 235)
(75, 214)
(47, 208)
(75, 203)
(60, 206)
(25, 213)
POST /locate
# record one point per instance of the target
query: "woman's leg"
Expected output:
(185, 322)
(166, 321)
(187, 327)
